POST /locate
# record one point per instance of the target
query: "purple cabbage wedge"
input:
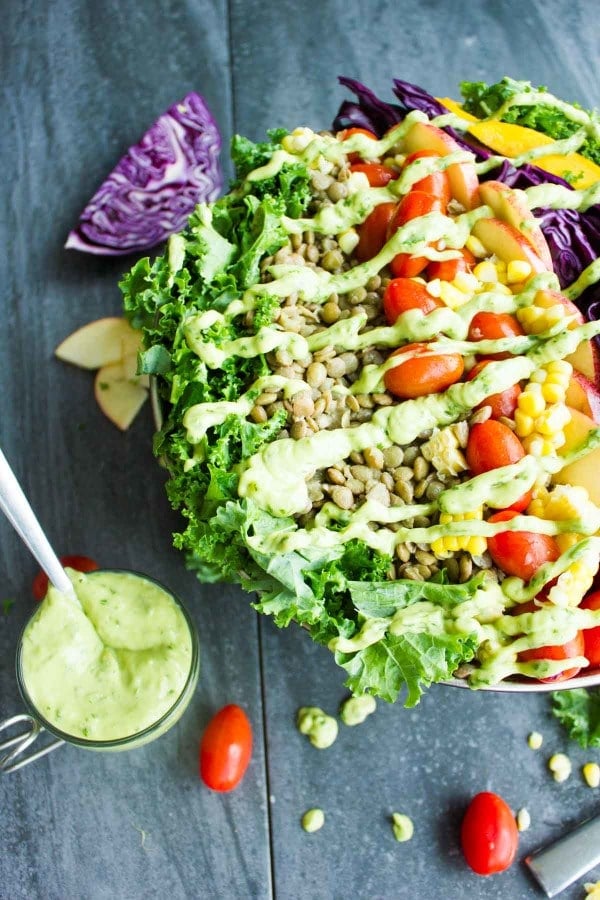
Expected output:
(156, 185)
(573, 237)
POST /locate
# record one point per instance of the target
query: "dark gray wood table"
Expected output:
(80, 81)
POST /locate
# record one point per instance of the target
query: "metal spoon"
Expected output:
(16, 508)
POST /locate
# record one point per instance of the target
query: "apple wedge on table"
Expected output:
(110, 345)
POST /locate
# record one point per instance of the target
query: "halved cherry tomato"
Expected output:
(373, 231)
(377, 174)
(402, 294)
(348, 133)
(502, 404)
(573, 648)
(412, 206)
(520, 553)
(437, 183)
(225, 749)
(490, 326)
(491, 445)
(39, 586)
(489, 834)
(448, 269)
(591, 636)
(422, 375)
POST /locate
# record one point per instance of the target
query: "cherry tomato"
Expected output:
(502, 404)
(591, 636)
(489, 326)
(437, 183)
(448, 269)
(39, 586)
(225, 749)
(422, 375)
(491, 445)
(489, 834)
(520, 553)
(348, 133)
(412, 206)
(373, 231)
(402, 294)
(377, 174)
(576, 647)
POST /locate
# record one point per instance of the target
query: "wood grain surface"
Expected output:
(80, 81)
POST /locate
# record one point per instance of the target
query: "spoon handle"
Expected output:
(16, 508)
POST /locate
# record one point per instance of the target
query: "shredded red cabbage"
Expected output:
(573, 237)
(156, 185)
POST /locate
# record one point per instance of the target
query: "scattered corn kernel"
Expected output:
(523, 422)
(592, 890)
(466, 282)
(531, 402)
(553, 393)
(517, 270)
(313, 820)
(523, 819)
(298, 140)
(452, 297)
(474, 544)
(348, 241)
(434, 287)
(560, 766)
(591, 774)
(402, 826)
(476, 247)
(535, 740)
(486, 271)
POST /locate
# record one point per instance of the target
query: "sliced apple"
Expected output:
(584, 396)
(119, 392)
(507, 243)
(99, 343)
(464, 183)
(583, 472)
(511, 206)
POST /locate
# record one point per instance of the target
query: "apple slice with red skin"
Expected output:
(511, 206)
(507, 243)
(584, 396)
(99, 343)
(464, 183)
(583, 472)
(586, 358)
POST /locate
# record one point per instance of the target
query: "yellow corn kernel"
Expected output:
(538, 377)
(298, 140)
(476, 247)
(452, 297)
(523, 819)
(466, 282)
(523, 423)
(434, 287)
(553, 420)
(560, 766)
(560, 365)
(535, 740)
(531, 402)
(517, 270)
(566, 541)
(536, 445)
(591, 774)
(553, 393)
(486, 271)
(348, 241)
(477, 546)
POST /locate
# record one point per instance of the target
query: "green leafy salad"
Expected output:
(363, 358)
